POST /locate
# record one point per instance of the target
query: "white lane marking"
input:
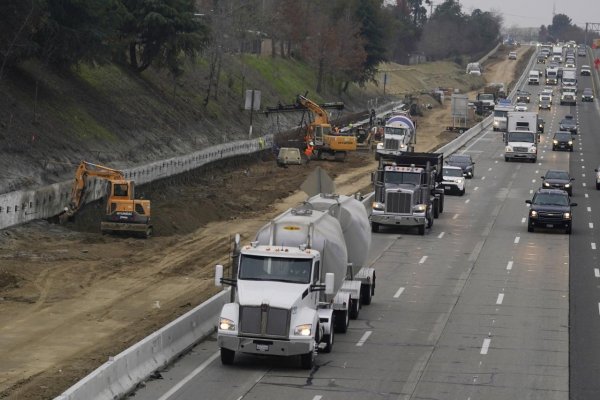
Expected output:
(589, 209)
(537, 171)
(539, 163)
(509, 265)
(523, 220)
(517, 239)
(533, 181)
(423, 259)
(593, 246)
(455, 216)
(583, 175)
(582, 160)
(591, 224)
(583, 167)
(317, 397)
(496, 162)
(583, 184)
(485, 346)
(191, 376)
(467, 201)
(476, 187)
(490, 168)
(597, 272)
(399, 292)
(599, 308)
(586, 196)
(364, 338)
(483, 178)
(530, 191)
(500, 298)
(441, 235)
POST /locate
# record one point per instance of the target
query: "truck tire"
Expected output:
(354, 307)
(506, 159)
(307, 361)
(374, 227)
(442, 198)
(328, 339)
(421, 229)
(227, 356)
(366, 293)
(429, 220)
(342, 320)
(436, 207)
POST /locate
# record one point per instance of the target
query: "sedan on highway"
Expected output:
(521, 107)
(463, 161)
(558, 179)
(541, 124)
(586, 70)
(523, 96)
(550, 208)
(562, 141)
(545, 103)
(568, 124)
(587, 95)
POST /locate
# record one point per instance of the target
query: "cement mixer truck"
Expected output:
(398, 136)
(298, 282)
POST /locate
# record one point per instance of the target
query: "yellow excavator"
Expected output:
(124, 213)
(319, 133)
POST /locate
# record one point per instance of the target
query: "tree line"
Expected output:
(344, 40)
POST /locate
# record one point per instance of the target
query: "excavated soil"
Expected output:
(70, 297)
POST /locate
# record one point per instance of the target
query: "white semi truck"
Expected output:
(398, 135)
(521, 137)
(501, 110)
(299, 281)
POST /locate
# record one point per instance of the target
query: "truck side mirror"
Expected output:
(218, 275)
(329, 280)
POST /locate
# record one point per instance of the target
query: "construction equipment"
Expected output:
(124, 213)
(319, 132)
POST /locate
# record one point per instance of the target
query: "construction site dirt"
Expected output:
(70, 297)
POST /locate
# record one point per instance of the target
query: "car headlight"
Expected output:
(378, 206)
(567, 185)
(420, 208)
(496, 123)
(570, 142)
(555, 141)
(460, 180)
(533, 214)
(567, 215)
(226, 324)
(546, 184)
(303, 330)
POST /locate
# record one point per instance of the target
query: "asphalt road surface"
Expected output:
(478, 308)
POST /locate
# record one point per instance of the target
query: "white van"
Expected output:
(534, 77)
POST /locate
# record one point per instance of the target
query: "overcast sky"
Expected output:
(534, 13)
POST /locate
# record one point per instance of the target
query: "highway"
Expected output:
(478, 308)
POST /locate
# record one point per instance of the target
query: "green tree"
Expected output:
(18, 22)
(160, 32)
(561, 26)
(372, 31)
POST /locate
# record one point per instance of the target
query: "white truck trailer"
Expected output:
(296, 283)
(521, 137)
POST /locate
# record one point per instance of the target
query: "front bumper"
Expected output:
(525, 156)
(266, 346)
(398, 219)
(549, 223)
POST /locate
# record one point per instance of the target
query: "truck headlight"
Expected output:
(226, 324)
(378, 206)
(303, 330)
(533, 214)
(532, 149)
(570, 142)
(420, 208)
(567, 215)
(555, 141)
(546, 184)
(508, 149)
(568, 185)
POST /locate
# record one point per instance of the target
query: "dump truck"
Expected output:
(124, 213)
(407, 190)
(298, 282)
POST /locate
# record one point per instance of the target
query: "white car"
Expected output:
(569, 65)
(586, 70)
(597, 178)
(512, 55)
(453, 180)
(521, 107)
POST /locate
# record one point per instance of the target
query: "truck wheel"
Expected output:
(307, 361)
(342, 320)
(148, 232)
(436, 208)
(328, 339)
(429, 219)
(366, 293)
(506, 159)
(354, 307)
(374, 227)
(421, 229)
(227, 356)
(529, 228)
(442, 197)
(568, 230)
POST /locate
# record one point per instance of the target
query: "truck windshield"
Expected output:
(486, 96)
(398, 178)
(390, 130)
(500, 113)
(521, 137)
(260, 268)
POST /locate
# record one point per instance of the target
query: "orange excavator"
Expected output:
(320, 135)
(124, 213)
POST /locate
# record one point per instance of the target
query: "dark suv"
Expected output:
(568, 124)
(550, 208)
(562, 141)
(558, 179)
(465, 162)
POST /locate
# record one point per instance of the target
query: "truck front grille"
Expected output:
(397, 202)
(391, 144)
(520, 149)
(264, 321)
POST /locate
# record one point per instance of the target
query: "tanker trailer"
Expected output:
(288, 297)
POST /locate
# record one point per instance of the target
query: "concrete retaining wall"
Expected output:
(23, 206)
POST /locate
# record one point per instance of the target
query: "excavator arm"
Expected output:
(318, 110)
